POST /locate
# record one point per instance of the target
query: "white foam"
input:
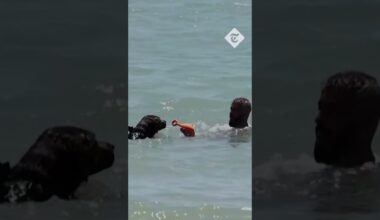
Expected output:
(249, 209)
(278, 166)
(219, 130)
(242, 4)
(167, 105)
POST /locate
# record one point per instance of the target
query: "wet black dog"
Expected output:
(349, 111)
(148, 126)
(56, 164)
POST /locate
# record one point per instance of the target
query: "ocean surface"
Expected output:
(180, 67)
(64, 63)
(297, 45)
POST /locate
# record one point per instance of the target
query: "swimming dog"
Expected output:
(147, 127)
(56, 164)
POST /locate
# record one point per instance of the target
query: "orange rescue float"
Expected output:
(186, 128)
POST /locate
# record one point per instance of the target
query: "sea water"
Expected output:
(297, 45)
(181, 67)
(64, 63)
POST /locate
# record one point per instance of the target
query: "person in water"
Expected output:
(348, 116)
(239, 112)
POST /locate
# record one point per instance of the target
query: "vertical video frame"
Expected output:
(189, 110)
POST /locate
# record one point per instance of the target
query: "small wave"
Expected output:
(95, 191)
(242, 4)
(107, 89)
(143, 210)
(203, 130)
(284, 179)
(110, 89)
(220, 130)
(249, 209)
(167, 106)
(278, 166)
(120, 104)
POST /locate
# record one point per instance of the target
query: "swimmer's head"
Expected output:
(239, 112)
(348, 116)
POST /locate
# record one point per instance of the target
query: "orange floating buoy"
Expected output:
(186, 128)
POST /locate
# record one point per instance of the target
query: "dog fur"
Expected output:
(147, 127)
(56, 164)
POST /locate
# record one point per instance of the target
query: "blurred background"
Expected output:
(64, 63)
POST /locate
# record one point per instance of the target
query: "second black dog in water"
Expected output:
(147, 127)
(56, 164)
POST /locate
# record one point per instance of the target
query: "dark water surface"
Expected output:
(64, 62)
(297, 45)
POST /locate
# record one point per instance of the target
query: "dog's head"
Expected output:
(81, 146)
(239, 112)
(347, 120)
(149, 125)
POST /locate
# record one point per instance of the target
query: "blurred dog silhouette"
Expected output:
(56, 164)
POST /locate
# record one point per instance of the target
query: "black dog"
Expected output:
(148, 126)
(56, 164)
(349, 110)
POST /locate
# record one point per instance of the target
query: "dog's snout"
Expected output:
(164, 123)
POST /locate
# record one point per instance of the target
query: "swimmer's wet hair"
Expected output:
(244, 102)
(355, 87)
(355, 84)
